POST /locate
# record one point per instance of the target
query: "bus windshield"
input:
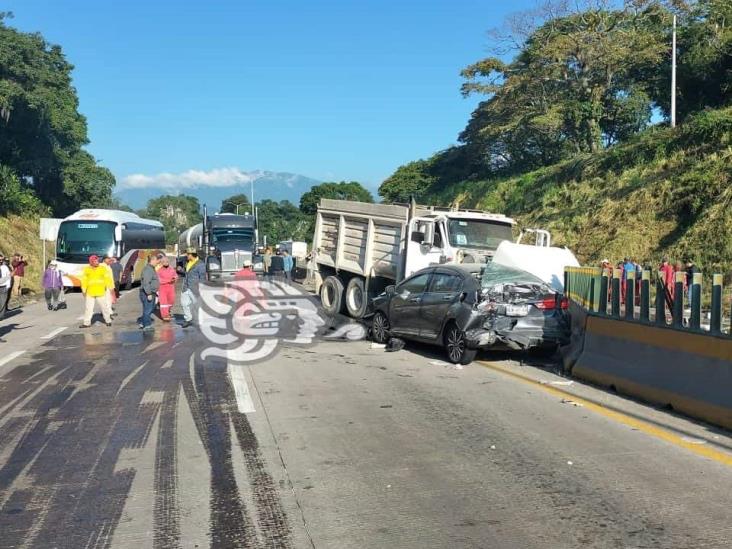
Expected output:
(232, 235)
(79, 239)
(474, 233)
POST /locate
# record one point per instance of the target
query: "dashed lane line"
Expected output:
(10, 357)
(619, 417)
(244, 402)
(54, 333)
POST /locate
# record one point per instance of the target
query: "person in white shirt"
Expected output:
(6, 281)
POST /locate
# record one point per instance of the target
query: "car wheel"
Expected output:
(457, 346)
(380, 328)
(331, 295)
(356, 297)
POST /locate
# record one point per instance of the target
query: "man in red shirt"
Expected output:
(246, 272)
(19, 263)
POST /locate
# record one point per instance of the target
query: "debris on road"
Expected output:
(439, 363)
(572, 402)
(563, 383)
(570, 463)
(378, 345)
(395, 344)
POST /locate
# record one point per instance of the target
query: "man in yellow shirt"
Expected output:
(96, 281)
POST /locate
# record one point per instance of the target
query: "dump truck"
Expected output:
(360, 248)
(224, 241)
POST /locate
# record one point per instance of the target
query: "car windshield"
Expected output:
(77, 240)
(472, 233)
(233, 235)
(494, 274)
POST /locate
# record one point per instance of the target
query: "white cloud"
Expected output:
(219, 177)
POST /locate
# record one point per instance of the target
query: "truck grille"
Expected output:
(233, 261)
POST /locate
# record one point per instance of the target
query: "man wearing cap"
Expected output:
(52, 285)
(246, 272)
(96, 281)
(6, 281)
(194, 272)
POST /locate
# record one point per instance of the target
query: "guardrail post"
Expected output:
(645, 296)
(695, 299)
(604, 281)
(591, 304)
(678, 312)
(660, 300)
(630, 295)
(616, 292)
(567, 284)
(716, 319)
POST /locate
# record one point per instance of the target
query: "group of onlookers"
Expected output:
(12, 275)
(666, 270)
(278, 263)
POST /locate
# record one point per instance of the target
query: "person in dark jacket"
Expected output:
(194, 272)
(691, 270)
(149, 286)
(52, 285)
(116, 267)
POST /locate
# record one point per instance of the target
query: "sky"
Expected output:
(333, 90)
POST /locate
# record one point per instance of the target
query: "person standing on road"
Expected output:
(6, 282)
(195, 272)
(287, 264)
(96, 281)
(116, 267)
(166, 294)
(267, 260)
(149, 286)
(52, 285)
(18, 264)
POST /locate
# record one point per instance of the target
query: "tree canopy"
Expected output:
(176, 212)
(344, 190)
(229, 205)
(282, 220)
(42, 133)
(571, 79)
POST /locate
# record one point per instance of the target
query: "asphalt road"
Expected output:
(114, 438)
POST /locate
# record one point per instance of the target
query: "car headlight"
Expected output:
(214, 265)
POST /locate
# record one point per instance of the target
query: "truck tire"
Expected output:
(331, 295)
(357, 300)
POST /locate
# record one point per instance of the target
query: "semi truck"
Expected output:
(224, 241)
(360, 248)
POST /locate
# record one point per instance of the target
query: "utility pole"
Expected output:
(252, 183)
(673, 75)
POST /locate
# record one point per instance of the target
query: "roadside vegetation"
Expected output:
(573, 131)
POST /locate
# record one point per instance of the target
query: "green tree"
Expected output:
(17, 198)
(176, 212)
(42, 133)
(576, 85)
(282, 221)
(345, 190)
(229, 205)
(411, 180)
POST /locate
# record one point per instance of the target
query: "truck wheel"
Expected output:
(457, 346)
(331, 295)
(357, 300)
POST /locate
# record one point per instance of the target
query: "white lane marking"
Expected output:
(167, 364)
(243, 398)
(54, 333)
(11, 356)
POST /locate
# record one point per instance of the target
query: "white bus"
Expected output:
(115, 233)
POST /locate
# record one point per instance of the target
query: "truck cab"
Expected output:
(454, 237)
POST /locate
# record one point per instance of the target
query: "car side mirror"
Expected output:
(390, 290)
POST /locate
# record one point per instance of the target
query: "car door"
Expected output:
(406, 302)
(444, 290)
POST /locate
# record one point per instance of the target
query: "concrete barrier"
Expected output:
(571, 352)
(692, 372)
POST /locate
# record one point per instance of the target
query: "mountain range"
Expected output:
(135, 191)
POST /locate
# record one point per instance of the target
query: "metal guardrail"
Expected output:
(606, 293)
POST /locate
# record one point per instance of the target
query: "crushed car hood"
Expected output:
(546, 263)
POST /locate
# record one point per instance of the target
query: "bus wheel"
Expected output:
(356, 297)
(331, 295)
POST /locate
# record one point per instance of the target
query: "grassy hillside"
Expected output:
(667, 191)
(20, 234)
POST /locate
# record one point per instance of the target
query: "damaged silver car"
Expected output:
(469, 307)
